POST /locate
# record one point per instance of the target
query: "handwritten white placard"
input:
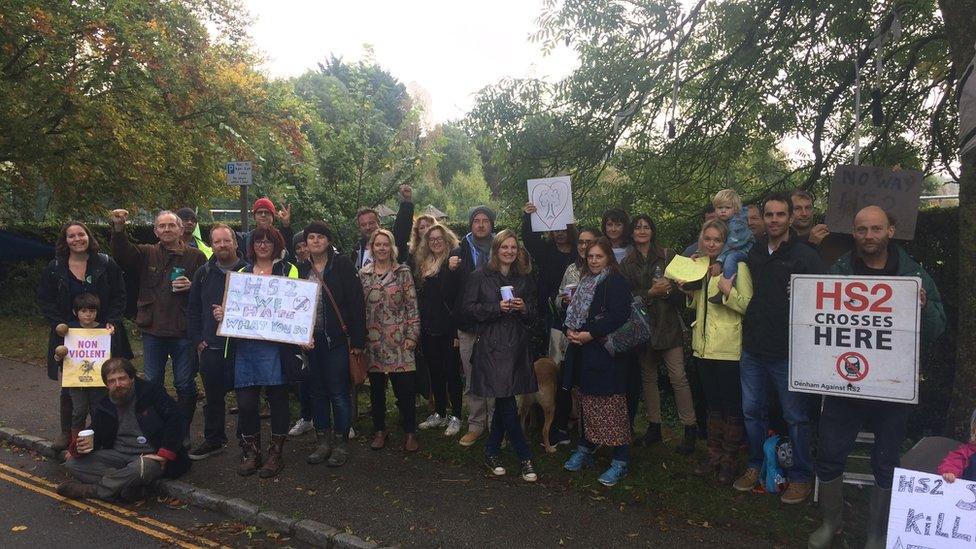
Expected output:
(553, 199)
(928, 512)
(269, 308)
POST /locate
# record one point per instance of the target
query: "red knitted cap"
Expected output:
(264, 203)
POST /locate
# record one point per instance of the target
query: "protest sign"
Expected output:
(269, 308)
(854, 187)
(88, 349)
(553, 198)
(686, 269)
(928, 512)
(855, 337)
(239, 173)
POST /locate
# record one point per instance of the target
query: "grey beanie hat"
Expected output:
(481, 209)
(299, 238)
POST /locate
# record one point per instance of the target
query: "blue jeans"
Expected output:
(155, 352)
(505, 421)
(754, 373)
(328, 388)
(730, 265)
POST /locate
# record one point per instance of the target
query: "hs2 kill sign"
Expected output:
(855, 337)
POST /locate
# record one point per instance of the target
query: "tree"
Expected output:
(366, 139)
(126, 103)
(750, 75)
(960, 29)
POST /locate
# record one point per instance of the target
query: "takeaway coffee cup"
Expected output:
(88, 435)
(507, 293)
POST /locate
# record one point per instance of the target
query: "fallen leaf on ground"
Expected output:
(20, 528)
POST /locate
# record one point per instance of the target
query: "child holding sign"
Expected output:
(959, 463)
(83, 399)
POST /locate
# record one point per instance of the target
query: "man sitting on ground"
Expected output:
(139, 434)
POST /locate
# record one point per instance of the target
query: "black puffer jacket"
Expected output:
(437, 299)
(343, 280)
(766, 326)
(54, 299)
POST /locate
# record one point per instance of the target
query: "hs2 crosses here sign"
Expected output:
(269, 308)
(855, 337)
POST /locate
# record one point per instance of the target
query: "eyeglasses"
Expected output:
(263, 243)
(435, 239)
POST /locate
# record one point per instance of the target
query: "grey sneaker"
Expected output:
(301, 427)
(453, 426)
(206, 449)
(434, 421)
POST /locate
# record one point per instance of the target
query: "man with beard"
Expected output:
(874, 255)
(216, 360)
(471, 254)
(138, 438)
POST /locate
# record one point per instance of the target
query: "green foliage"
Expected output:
(365, 137)
(112, 104)
(753, 76)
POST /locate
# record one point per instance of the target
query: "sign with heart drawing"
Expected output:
(553, 199)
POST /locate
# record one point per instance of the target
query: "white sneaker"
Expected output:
(352, 432)
(434, 421)
(453, 426)
(301, 426)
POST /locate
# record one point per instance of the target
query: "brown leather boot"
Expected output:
(713, 445)
(735, 432)
(275, 462)
(410, 443)
(251, 446)
(379, 440)
(75, 489)
(63, 439)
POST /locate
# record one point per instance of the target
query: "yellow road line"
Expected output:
(121, 510)
(98, 512)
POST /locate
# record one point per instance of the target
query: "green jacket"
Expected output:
(717, 329)
(933, 314)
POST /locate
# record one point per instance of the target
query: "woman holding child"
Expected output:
(78, 268)
(717, 343)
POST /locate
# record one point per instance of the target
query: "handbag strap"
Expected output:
(335, 306)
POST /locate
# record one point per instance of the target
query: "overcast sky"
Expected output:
(450, 49)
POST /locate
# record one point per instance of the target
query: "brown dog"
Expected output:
(547, 375)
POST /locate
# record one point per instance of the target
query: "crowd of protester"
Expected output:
(461, 321)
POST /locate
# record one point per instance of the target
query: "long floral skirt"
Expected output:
(605, 419)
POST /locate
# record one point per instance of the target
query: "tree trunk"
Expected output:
(960, 22)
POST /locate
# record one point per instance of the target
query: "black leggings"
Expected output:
(444, 365)
(721, 385)
(249, 403)
(404, 389)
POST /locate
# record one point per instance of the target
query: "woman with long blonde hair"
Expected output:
(438, 284)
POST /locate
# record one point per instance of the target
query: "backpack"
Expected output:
(777, 455)
(632, 333)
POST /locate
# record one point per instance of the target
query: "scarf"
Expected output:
(479, 252)
(579, 306)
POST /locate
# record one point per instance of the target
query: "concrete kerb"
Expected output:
(309, 531)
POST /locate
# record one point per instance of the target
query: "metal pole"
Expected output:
(244, 208)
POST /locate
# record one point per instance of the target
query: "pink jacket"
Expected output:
(956, 461)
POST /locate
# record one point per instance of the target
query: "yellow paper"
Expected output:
(685, 269)
(88, 349)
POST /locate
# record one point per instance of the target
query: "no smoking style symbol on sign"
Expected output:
(852, 366)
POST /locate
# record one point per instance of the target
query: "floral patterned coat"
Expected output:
(392, 317)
